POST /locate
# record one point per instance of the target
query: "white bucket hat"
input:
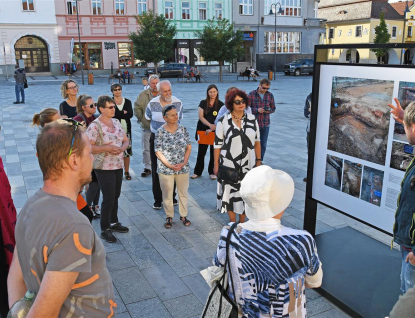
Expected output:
(266, 192)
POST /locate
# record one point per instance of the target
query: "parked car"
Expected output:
(299, 66)
(169, 70)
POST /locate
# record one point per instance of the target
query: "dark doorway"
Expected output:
(34, 51)
(408, 56)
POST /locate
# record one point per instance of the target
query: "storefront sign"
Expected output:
(248, 36)
(109, 45)
(182, 43)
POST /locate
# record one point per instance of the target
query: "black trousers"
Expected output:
(200, 162)
(158, 196)
(110, 182)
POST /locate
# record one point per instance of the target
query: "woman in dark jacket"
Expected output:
(124, 112)
(208, 110)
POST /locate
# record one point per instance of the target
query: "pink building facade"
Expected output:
(104, 28)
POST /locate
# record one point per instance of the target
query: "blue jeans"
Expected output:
(407, 273)
(19, 88)
(263, 135)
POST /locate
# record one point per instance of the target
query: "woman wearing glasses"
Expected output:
(108, 144)
(86, 109)
(69, 91)
(208, 110)
(237, 150)
(124, 112)
(172, 147)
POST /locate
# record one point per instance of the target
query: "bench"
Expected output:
(191, 78)
(112, 78)
(241, 74)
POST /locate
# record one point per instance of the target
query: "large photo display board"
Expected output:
(361, 153)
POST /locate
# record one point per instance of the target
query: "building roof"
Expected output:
(401, 6)
(334, 3)
(358, 11)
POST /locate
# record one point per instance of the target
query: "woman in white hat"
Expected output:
(271, 264)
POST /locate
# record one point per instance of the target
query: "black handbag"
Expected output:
(25, 83)
(219, 303)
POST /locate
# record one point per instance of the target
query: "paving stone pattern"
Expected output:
(156, 271)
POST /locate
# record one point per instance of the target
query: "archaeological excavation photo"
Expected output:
(406, 95)
(401, 155)
(372, 184)
(360, 117)
(334, 167)
(352, 176)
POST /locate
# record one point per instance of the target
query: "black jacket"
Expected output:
(119, 114)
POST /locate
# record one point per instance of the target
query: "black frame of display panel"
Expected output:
(320, 58)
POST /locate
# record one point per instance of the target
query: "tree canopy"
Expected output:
(154, 39)
(220, 42)
(382, 36)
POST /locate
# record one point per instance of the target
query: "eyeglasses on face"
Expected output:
(73, 87)
(92, 105)
(117, 89)
(75, 124)
(110, 107)
(239, 102)
(265, 88)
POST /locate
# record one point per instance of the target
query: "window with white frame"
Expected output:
(71, 6)
(202, 11)
(409, 31)
(119, 7)
(283, 42)
(168, 10)
(246, 7)
(394, 31)
(289, 7)
(96, 7)
(185, 10)
(218, 10)
(141, 6)
(358, 32)
(331, 33)
(28, 5)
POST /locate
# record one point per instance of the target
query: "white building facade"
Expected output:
(28, 31)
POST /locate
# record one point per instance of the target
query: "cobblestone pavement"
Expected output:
(156, 271)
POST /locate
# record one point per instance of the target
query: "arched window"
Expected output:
(34, 51)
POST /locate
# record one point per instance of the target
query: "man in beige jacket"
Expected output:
(139, 110)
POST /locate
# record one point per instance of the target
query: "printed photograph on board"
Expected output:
(372, 184)
(352, 177)
(359, 117)
(334, 167)
(406, 95)
(401, 155)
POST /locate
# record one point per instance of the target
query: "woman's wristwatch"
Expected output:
(258, 160)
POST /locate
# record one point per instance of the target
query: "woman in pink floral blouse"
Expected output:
(108, 142)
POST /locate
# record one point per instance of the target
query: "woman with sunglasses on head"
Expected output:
(124, 112)
(108, 142)
(86, 109)
(172, 147)
(237, 150)
(69, 91)
(208, 110)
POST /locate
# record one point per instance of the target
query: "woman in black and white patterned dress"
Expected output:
(236, 146)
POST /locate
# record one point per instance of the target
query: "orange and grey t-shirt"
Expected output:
(52, 235)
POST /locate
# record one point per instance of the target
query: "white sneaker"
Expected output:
(213, 177)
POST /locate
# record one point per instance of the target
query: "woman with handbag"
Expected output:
(108, 142)
(172, 147)
(86, 109)
(237, 150)
(124, 112)
(208, 110)
(270, 264)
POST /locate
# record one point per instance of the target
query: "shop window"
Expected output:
(96, 7)
(202, 11)
(91, 55)
(186, 10)
(126, 56)
(168, 10)
(283, 42)
(71, 5)
(358, 31)
(246, 7)
(141, 6)
(218, 11)
(394, 31)
(28, 5)
(119, 7)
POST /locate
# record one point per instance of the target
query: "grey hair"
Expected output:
(409, 115)
(159, 84)
(154, 76)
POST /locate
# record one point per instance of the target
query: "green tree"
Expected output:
(154, 39)
(382, 36)
(220, 42)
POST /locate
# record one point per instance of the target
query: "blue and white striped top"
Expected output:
(154, 112)
(269, 269)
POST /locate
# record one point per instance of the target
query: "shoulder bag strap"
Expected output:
(83, 117)
(101, 138)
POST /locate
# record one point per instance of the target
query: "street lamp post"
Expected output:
(274, 5)
(404, 22)
(79, 40)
